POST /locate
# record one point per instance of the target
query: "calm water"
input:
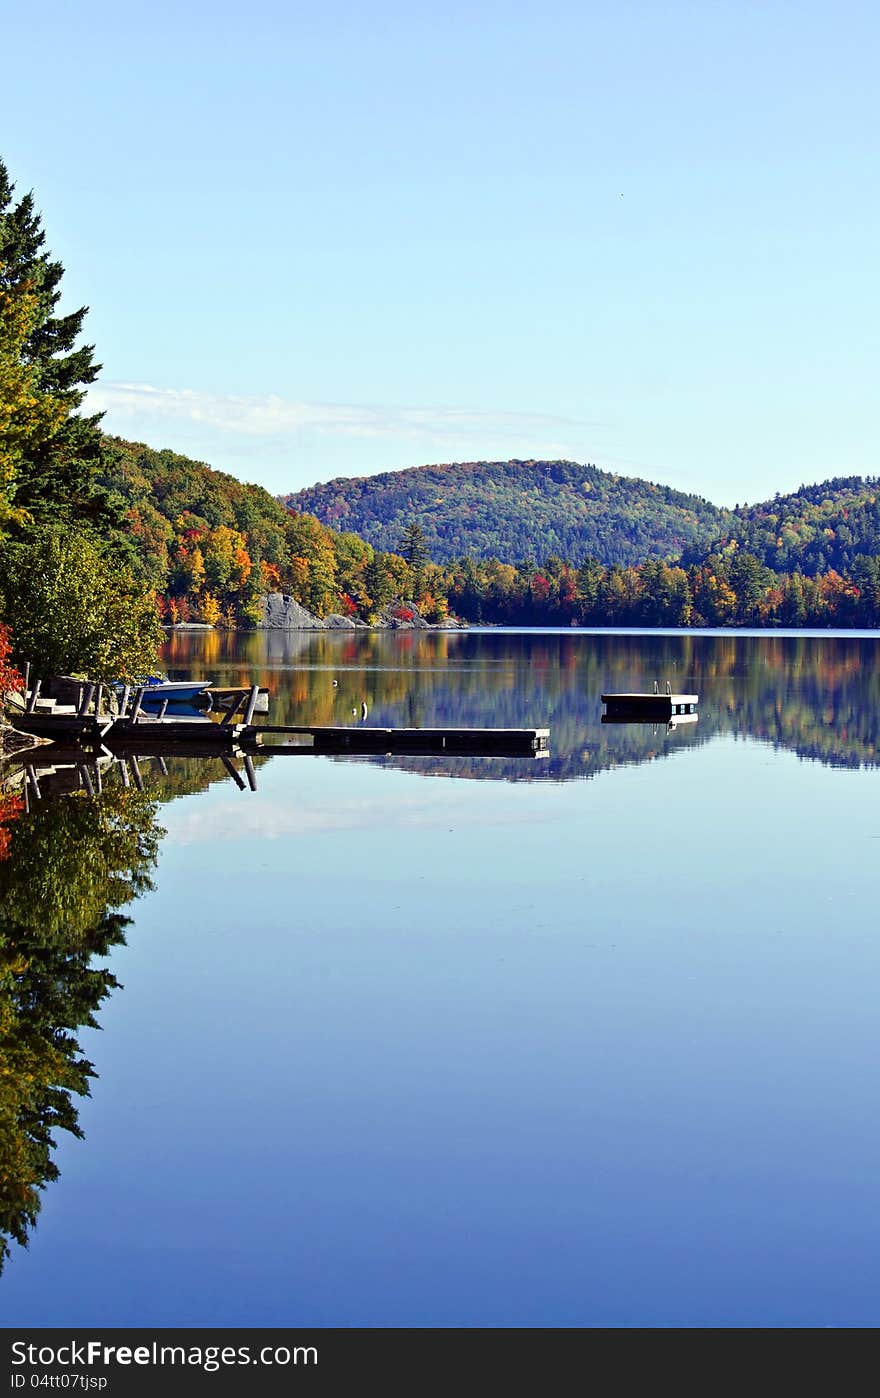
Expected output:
(584, 1040)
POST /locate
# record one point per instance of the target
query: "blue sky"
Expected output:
(342, 239)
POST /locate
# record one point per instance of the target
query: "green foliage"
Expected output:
(57, 454)
(28, 417)
(74, 610)
(832, 525)
(71, 865)
(515, 510)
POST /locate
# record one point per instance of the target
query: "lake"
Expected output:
(577, 1040)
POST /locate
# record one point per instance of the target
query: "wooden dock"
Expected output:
(124, 726)
(217, 696)
(421, 742)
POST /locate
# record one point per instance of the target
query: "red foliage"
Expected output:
(349, 606)
(11, 808)
(10, 679)
(404, 613)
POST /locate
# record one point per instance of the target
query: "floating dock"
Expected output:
(648, 708)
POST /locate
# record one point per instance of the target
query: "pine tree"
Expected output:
(415, 551)
(57, 475)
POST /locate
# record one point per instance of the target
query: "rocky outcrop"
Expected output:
(278, 612)
(13, 742)
(399, 617)
(335, 622)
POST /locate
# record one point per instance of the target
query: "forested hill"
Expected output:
(812, 530)
(211, 546)
(519, 511)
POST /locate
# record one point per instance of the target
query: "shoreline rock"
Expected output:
(13, 741)
(280, 612)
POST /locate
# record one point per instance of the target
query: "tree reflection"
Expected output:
(817, 696)
(69, 866)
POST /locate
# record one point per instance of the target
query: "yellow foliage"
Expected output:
(211, 610)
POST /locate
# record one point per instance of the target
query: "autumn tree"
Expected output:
(11, 681)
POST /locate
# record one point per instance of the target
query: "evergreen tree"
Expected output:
(57, 474)
(415, 551)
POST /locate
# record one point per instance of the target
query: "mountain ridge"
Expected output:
(528, 509)
(517, 510)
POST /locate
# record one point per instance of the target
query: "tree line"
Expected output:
(727, 588)
(101, 539)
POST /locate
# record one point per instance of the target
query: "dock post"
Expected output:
(233, 708)
(233, 771)
(33, 697)
(136, 773)
(86, 699)
(251, 704)
(139, 694)
(123, 703)
(163, 707)
(251, 773)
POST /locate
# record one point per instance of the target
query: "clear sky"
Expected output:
(338, 239)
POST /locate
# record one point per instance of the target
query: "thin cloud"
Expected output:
(270, 819)
(271, 416)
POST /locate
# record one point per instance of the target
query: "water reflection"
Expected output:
(78, 842)
(818, 696)
(67, 869)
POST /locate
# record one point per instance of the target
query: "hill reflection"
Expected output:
(817, 696)
(79, 841)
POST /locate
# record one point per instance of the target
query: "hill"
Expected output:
(831, 525)
(211, 545)
(519, 511)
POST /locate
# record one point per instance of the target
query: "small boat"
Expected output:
(158, 690)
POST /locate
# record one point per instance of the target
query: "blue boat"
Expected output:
(158, 691)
